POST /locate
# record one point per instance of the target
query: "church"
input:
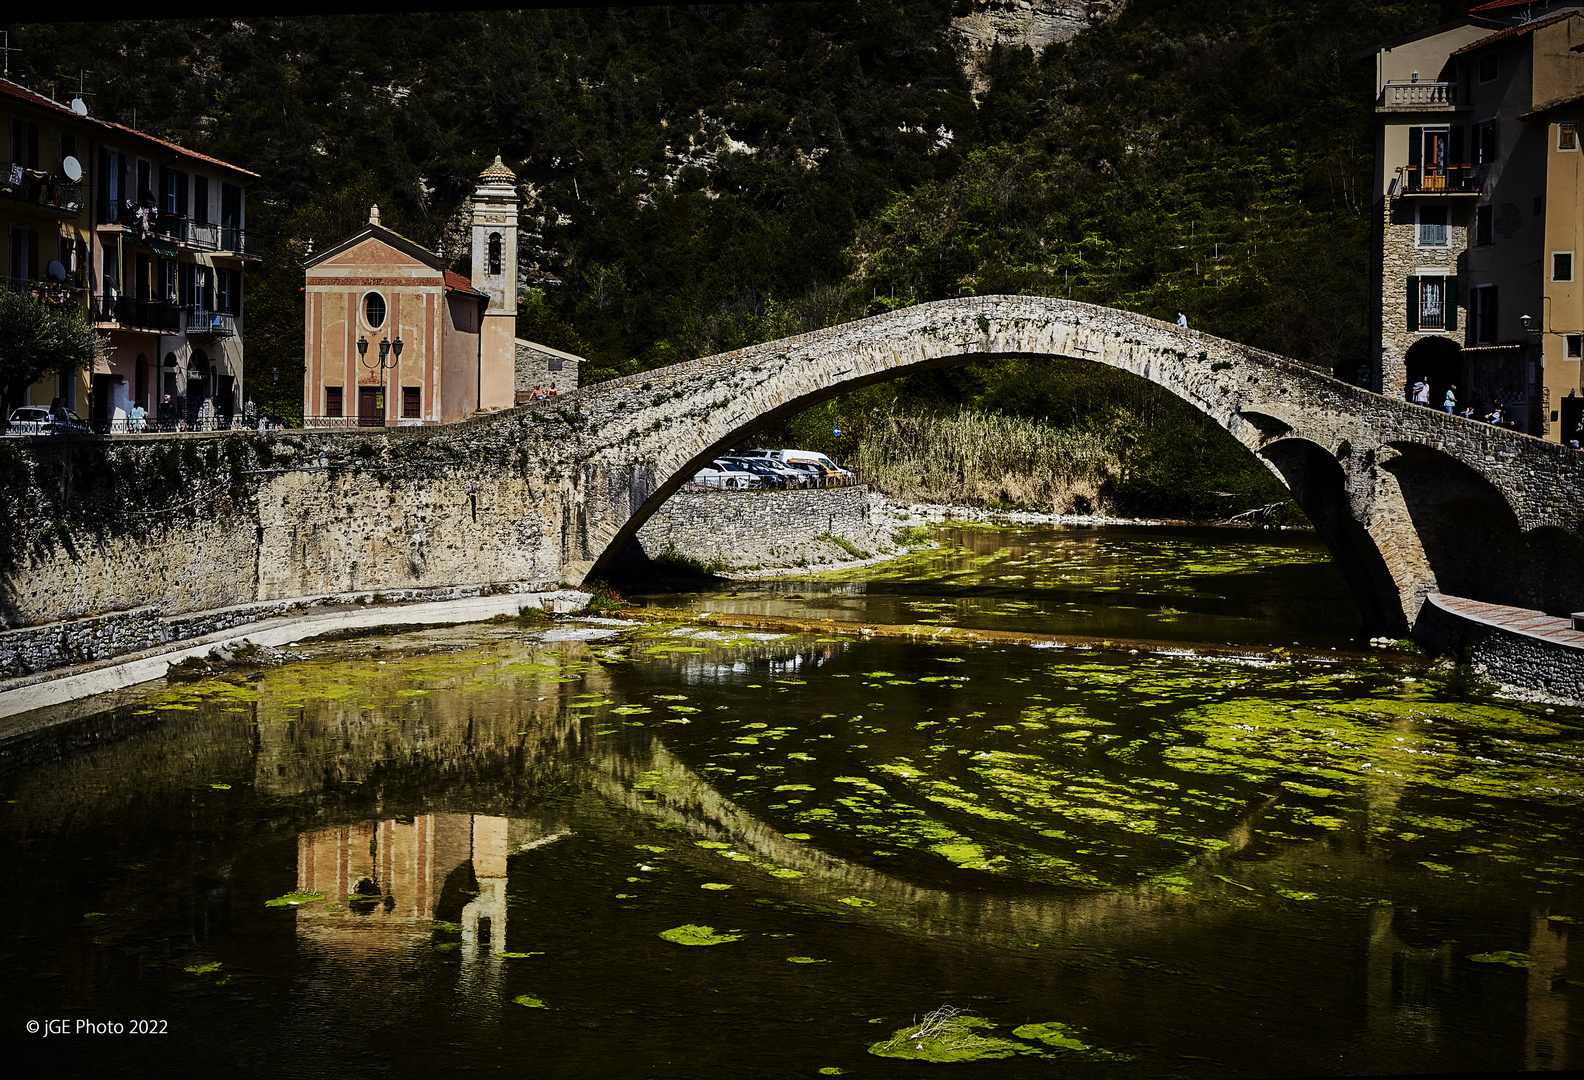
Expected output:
(392, 337)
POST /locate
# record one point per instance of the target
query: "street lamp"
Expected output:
(385, 362)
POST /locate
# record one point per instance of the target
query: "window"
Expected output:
(201, 199)
(1432, 302)
(1435, 155)
(374, 310)
(1484, 315)
(494, 253)
(1432, 224)
(1567, 136)
(332, 401)
(1489, 67)
(1484, 225)
(412, 399)
(229, 299)
(1575, 346)
(1485, 142)
(1561, 266)
(24, 144)
(173, 192)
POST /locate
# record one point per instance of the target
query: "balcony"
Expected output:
(60, 294)
(203, 322)
(44, 190)
(127, 313)
(1439, 180)
(155, 226)
(1418, 97)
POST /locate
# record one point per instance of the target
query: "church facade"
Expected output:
(392, 337)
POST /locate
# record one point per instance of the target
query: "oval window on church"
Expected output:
(374, 310)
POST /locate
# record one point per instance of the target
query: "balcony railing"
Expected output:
(365, 421)
(139, 314)
(1446, 180)
(55, 293)
(151, 224)
(40, 189)
(1419, 95)
(204, 322)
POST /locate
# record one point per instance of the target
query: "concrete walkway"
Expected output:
(1536, 624)
(86, 680)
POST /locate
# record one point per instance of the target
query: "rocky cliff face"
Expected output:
(1015, 23)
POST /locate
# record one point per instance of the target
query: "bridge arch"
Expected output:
(1300, 423)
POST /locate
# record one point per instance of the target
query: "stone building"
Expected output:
(393, 336)
(146, 238)
(1477, 231)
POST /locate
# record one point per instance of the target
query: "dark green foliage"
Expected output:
(709, 177)
(38, 338)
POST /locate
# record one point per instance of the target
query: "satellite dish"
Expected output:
(56, 270)
(72, 168)
(79, 107)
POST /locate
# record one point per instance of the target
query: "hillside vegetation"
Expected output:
(703, 178)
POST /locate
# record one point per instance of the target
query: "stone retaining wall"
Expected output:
(749, 530)
(37, 649)
(1510, 657)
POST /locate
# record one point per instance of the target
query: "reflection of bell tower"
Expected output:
(495, 208)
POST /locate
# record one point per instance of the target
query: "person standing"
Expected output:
(1450, 401)
(1182, 320)
(1421, 393)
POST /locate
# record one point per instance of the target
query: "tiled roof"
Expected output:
(1512, 32)
(457, 283)
(179, 149)
(22, 93)
(497, 171)
(1504, 5)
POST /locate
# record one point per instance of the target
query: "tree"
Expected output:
(37, 338)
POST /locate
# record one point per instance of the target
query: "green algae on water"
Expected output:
(293, 899)
(947, 1034)
(529, 1001)
(1511, 959)
(693, 934)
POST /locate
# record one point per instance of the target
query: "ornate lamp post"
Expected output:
(385, 362)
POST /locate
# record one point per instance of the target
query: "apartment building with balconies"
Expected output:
(43, 204)
(171, 247)
(149, 240)
(1478, 213)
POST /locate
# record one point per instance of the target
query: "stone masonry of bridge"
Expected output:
(1411, 501)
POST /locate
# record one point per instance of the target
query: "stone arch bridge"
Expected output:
(1411, 501)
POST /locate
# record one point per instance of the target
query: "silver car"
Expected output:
(36, 420)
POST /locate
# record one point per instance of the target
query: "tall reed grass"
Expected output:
(978, 458)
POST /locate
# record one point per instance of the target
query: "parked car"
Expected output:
(774, 473)
(834, 473)
(726, 474)
(36, 420)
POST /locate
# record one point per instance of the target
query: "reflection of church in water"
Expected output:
(384, 881)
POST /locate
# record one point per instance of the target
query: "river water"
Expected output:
(675, 850)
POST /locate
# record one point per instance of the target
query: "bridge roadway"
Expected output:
(1411, 501)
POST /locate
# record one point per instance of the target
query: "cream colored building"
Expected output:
(145, 238)
(1477, 213)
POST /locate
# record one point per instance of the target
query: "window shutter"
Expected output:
(1456, 157)
(1413, 303)
(1451, 303)
(1415, 146)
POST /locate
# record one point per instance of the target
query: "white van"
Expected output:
(812, 457)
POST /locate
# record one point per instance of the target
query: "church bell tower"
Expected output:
(495, 210)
